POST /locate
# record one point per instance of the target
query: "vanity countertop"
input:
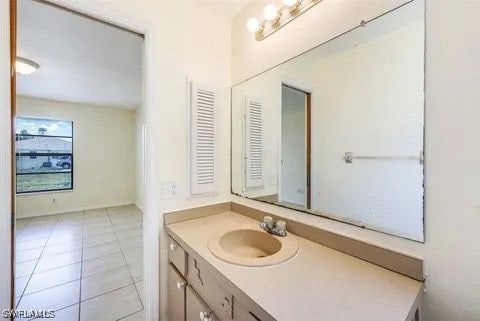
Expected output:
(318, 283)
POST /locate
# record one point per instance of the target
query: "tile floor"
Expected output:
(87, 266)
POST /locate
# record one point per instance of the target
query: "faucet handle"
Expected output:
(280, 228)
(268, 222)
(281, 225)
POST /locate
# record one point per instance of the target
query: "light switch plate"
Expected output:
(169, 190)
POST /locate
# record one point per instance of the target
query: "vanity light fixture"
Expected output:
(276, 18)
(270, 12)
(25, 66)
(291, 3)
(253, 25)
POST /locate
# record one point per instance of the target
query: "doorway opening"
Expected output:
(79, 178)
(294, 178)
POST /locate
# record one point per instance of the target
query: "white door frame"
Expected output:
(151, 239)
(281, 168)
(307, 88)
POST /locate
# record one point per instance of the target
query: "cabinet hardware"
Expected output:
(173, 246)
(205, 316)
(180, 285)
(227, 307)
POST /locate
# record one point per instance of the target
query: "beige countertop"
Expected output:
(317, 284)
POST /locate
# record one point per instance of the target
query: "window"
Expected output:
(44, 150)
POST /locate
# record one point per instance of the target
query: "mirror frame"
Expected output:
(425, 158)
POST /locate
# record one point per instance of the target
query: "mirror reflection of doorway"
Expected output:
(294, 186)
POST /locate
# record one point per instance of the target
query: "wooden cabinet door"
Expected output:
(202, 282)
(176, 295)
(196, 309)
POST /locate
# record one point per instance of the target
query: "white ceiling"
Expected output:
(228, 8)
(81, 60)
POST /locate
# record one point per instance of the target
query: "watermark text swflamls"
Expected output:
(27, 314)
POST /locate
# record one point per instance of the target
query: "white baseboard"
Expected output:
(77, 209)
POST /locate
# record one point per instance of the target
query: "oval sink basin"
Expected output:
(252, 247)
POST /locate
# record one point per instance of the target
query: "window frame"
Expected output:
(37, 154)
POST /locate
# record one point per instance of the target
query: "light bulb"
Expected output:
(253, 25)
(270, 12)
(291, 3)
(25, 66)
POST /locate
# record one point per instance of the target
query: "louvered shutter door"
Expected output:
(254, 176)
(202, 140)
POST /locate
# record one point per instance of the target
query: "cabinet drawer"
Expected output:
(207, 287)
(176, 295)
(178, 256)
(196, 309)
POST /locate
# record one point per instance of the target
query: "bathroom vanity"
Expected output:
(335, 132)
(303, 280)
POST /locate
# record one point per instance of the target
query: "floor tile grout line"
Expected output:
(53, 244)
(68, 306)
(58, 222)
(125, 258)
(80, 279)
(18, 262)
(38, 260)
(31, 240)
(110, 291)
(77, 250)
(123, 318)
(55, 268)
(71, 240)
(52, 287)
(109, 270)
(63, 266)
(36, 264)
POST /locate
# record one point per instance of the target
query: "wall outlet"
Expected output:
(169, 190)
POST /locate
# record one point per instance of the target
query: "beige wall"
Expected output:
(452, 217)
(104, 158)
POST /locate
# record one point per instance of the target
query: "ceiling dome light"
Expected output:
(291, 3)
(253, 25)
(270, 12)
(25, 66)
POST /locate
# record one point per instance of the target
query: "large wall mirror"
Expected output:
(339, 130)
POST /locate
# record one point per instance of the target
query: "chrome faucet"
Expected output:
(278, 228)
